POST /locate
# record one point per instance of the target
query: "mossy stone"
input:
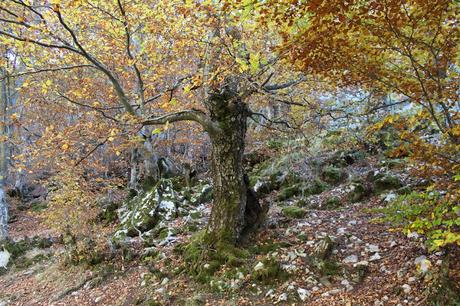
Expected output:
(195, 215)
(316, 187)
(205, 256)
(294, 212)
(357, 193)
(332, 203)
(386, 182)
(404, 190)
(289, 192)
(333, 174)
(270, 270)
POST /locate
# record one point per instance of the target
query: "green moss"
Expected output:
(393, 163)
(265, 247)
(333, 175)
(294, 212)
(302, 237)
(289, 192)
(358, 192)
(38, 206)
(317, 187)
(328, 267)
(386, 182)
(270, 271)
(163, 233)
(274, 144)
(332, 203)
(302, 203)
(204, 255)
(404, 190)
(195, 215)
(192, 227)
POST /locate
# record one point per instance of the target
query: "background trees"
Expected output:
(404, 48)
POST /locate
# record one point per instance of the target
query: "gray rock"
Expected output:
(406, 288)
(351, 259)
(375, 257)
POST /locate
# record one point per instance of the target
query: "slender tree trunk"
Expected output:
(232, 214)
(3, 214)
(3, 161)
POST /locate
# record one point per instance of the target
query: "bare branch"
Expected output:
(92, 151)
(283, 122)
(39, 43)
(99, 110)
(284, 85)
(47, 70)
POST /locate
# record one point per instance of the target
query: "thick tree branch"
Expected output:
(187, 115)
(284, 85)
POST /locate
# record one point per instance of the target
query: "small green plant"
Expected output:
(426, 213)
(294, 212)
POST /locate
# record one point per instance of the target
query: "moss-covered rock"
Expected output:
(404, 190)
(333, 175)
(275, 173)
(294, 212)
(148, 213)
(323, 249)
(357, 191)
(392, 163)
(289, 192)
(316, 187)
(268, 270)
(386, 182)
(204, 255)
(145, 210)
(332, 203)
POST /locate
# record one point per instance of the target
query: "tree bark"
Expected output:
(236, 211)
(232, 214)
(3, 160)
(3, 213)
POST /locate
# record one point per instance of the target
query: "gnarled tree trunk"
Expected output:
(235, 209)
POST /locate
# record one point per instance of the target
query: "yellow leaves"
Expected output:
(113, 133)
(254, 60)
(243, 66)
(65, 147)
(156, 131)
(14, 117)
(46, 86)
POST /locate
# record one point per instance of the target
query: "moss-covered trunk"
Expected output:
(235, 209)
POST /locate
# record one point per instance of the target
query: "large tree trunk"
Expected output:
(235, 209)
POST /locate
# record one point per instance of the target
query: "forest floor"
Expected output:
(369, 264)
